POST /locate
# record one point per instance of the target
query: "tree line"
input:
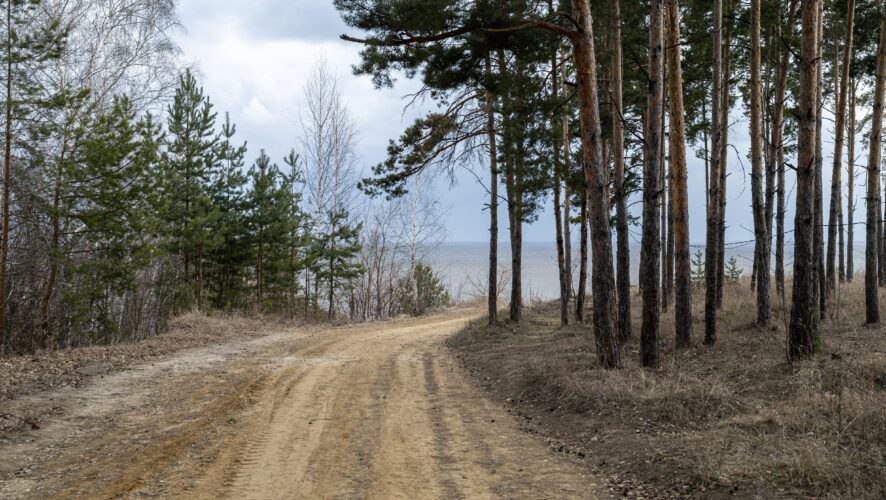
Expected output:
(591, 105)
(127, 198)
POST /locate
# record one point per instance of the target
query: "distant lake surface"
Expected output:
(464, 265)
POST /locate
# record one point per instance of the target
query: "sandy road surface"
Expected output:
(370, 411)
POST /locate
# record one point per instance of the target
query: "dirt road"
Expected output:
(369, 411)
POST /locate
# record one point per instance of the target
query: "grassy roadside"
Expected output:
(733, 420)
(26, 374)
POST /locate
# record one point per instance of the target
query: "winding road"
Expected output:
(376, 410)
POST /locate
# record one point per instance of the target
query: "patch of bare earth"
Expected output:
(732, 420)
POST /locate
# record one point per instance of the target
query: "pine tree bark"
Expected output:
(597, 174)
(492, 313)
(514, 199)
(583, 257)
(881, 262)
(761, 231)
(872, 250)
(621, 204)
(819, 169)
(651, 239)
(802, 331)
(665, 197)
(712, 247)
(850, 181)
(516, 307)
(567, 194)
(839, 133)
(680, 190)
(724, 160)
(583, 213)
(777, 143)
(567, 225)
(558, 216)
(769, 153)
(671, 243)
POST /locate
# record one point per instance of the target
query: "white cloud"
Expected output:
(256, 112)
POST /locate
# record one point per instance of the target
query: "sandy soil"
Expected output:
(369, 411)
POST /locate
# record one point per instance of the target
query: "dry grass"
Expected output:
(26, 374)
(712, 421)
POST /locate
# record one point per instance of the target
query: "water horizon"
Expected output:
(463, 265)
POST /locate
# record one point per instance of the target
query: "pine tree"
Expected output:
(651, 243)
(679, 174)
(226, 264)
(623, 265)
(272, 226)
(842, 97)
(335, 252)
(713, 230)
(423, 38)
(111, 174)
(761, 226)
(872, 250)
(189, 165)
(804, 323)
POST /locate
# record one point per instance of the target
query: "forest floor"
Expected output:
(733, 420)
(377, 410)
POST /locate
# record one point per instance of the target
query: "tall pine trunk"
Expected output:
(872, 250)
(724, 157)
(651, 242)
(819, 169)
(492, 313)
(581, 292)
(712, 248)
(761, 231)
(516, 306)
(777, 142)
(839, 133)
(583, 257)
(567, 176)
(680, 191)
(621, 198)
(514, 200)
(597, 174)
(803, 323)
(665, 196)
(558, 216)
(850, 181)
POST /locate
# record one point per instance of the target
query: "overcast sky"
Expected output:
(254, 58)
